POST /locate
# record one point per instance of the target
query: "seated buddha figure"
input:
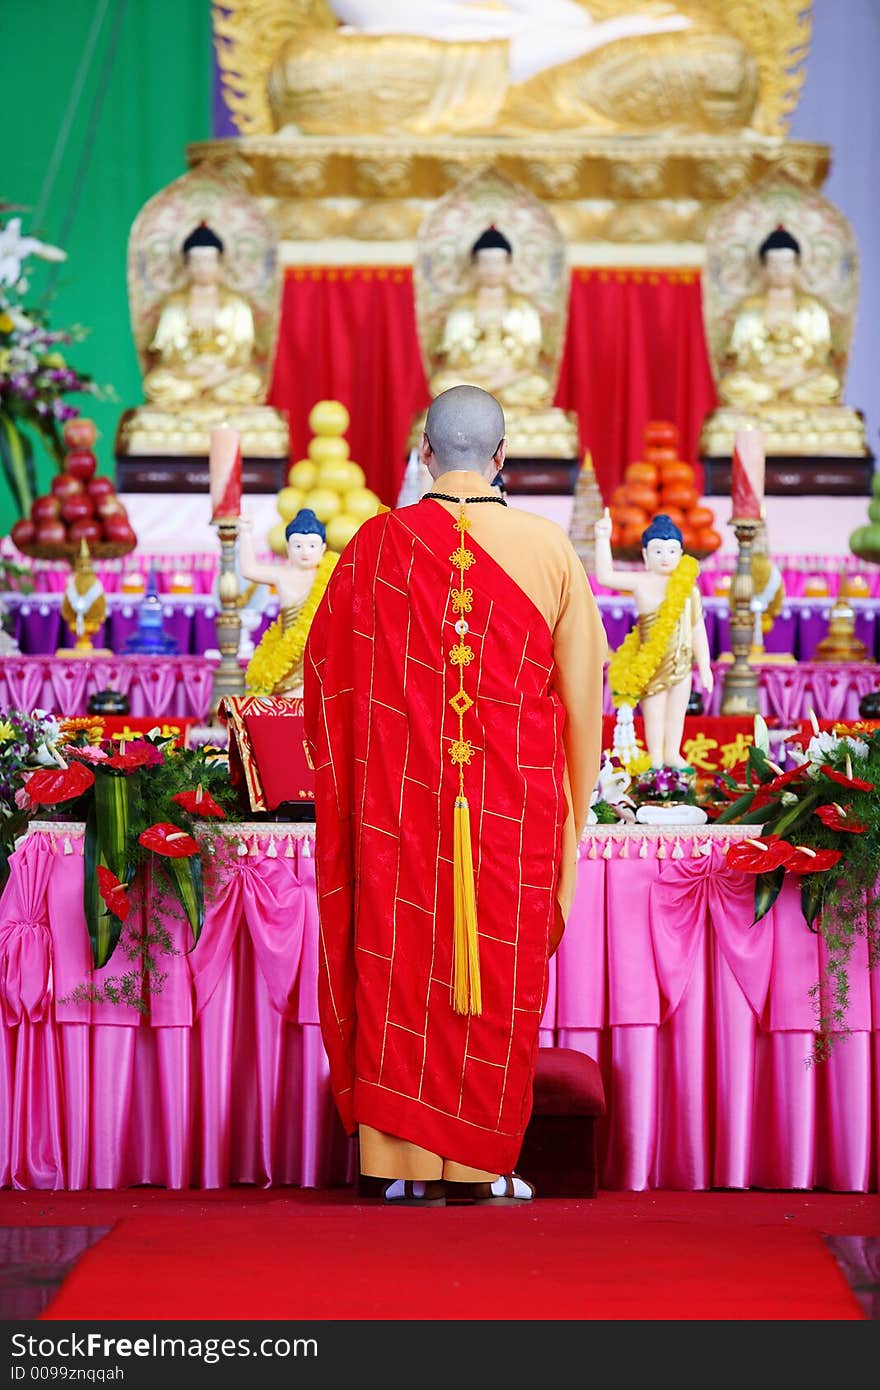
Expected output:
(780, 368)
(276, 667)
(434, 66)
(202, 349)
(493, 337)
(780, 349)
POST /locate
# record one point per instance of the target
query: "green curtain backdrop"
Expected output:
(146, 95)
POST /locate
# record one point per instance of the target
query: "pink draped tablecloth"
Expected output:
(789, 692)
(701, 1023)
(224, 1081)
(160, 686)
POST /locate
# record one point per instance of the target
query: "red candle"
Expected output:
(747, 478)
(224, 471)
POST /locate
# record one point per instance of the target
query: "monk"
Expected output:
(453, 691)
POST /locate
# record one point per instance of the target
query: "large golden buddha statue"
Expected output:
(204, 292)
(470, 66)
(491, 287)
(778, 327)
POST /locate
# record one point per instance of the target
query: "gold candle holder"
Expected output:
(228, 677)
(740, 688)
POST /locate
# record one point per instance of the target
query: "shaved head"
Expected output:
(464, 428)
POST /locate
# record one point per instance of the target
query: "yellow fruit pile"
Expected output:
(328, 481)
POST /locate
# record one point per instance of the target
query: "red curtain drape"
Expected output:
(634, 352)
(349, 334)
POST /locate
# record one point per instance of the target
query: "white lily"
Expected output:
(15, 248)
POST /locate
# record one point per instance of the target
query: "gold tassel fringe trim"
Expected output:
(466, 993)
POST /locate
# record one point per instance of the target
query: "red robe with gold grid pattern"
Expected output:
(378, 681)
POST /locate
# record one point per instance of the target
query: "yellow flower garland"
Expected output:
(279, 650)
(634, 663)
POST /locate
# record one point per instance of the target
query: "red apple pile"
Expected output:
(82, 504)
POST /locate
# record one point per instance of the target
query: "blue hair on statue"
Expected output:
(305, 523)
(662, 528)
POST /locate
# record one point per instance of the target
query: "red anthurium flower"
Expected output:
(853, 784)
(803, 860)
(199, 803)
(138, 753)
(758, 856)
(169, 840)
(838, 817)
(53, 784)
(114, 893)
(785, 778)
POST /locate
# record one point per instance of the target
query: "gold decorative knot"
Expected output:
(462, 600)
(463, 559)
(461, 654)
(462, 524)
(461, 750)
(461, 702)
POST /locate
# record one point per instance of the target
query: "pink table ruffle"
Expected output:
(226, 1080)
(157, 686)
(701, 1022)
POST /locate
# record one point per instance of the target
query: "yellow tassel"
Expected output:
(466, 994)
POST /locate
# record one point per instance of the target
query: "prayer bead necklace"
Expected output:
(448, 497)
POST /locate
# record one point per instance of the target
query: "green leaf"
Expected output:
(106, 842)
(17, 458)
(104, 928)
(113, 804)
(756, 761)
(767, 888)
(761, 816)
(812, 896)
(733, 812)
(186, 875)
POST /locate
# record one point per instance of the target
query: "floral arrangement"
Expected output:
(27, 742)
(280, 649)
(666, 785)
(819, 820)
(34, 373)
(141, 801)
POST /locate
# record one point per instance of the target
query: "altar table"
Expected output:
(701, 1023)
(163, 687)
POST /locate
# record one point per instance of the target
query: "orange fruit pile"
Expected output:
(661, 482)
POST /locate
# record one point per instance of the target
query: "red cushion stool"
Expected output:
(560, 1153)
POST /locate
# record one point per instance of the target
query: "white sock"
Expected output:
(520, 1188)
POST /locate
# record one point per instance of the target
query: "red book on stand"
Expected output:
(267, 749)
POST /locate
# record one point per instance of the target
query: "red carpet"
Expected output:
(319, 1256)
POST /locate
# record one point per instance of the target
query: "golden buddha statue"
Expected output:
(779, 349)
(440, 66)
(204, 308)
(276, 667)
(494, 317)
(492, 337)
(84, 606)
(204, 341)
